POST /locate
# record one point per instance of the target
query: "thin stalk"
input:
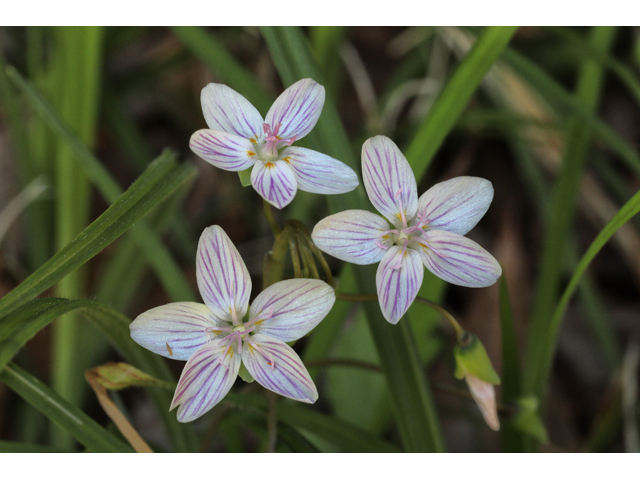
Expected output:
(271, 220)
(79, 53)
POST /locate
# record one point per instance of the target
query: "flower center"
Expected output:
(269, 150)
(239, 335)
(406, 237)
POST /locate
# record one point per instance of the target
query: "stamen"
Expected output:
(398, 197)
(262, 316)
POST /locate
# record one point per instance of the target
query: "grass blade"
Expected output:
(159, 181)
(456, 94)
(71, 419)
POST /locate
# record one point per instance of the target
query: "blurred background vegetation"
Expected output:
(554, 125)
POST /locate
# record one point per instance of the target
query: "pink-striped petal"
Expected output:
(297, 109)
(275, 182)
(456, 205)
(225, 109)
(319, 173)
(175, 330)
(458, 260)
(389, 180)
(223, 278)
(353, 236)
(485, 396)
(275, 366)
(206, 379)
(398, 280)
(227, 151)
(292, 308)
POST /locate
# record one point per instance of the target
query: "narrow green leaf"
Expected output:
(539, 372)
(71, 419)
(150, 244)
(22, 324)
(512, 440)
(158, 182)
(413, 405)
(455, 95)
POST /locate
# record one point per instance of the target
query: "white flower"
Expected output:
(215, 340)
(412, 231)
(238, 139)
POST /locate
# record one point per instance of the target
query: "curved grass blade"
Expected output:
(539, 372)
(71, 419)
(413, 404)
(159, 181)
(512, 439)
(150, 244)
(455, 95)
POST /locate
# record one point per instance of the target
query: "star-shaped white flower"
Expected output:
(238, 139)
(214, 339)
(412, 232)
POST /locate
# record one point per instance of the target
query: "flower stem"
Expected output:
(348, 297)
(271, 220)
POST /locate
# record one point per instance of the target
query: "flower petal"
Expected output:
(275, 182)
(458, 260)
(485, 396)
(292, 308)
(225, 109)
(297, 109)
(205, 380)
(276, 367)
(223, 150)
(398, 280)
(389, 180)
(352, 236)
(456, 205)
(175, 330)
(223, 278)
(319, 173)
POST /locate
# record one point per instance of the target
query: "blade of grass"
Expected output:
(159, 181)
(512, 440)
(151, 246)
(413, 405)
(539, 372)
(68, 417)
(79, 60)
(455, 95)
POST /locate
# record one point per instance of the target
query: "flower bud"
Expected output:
(473, 364)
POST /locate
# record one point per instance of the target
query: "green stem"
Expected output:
(424, 301)
(271, 220)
